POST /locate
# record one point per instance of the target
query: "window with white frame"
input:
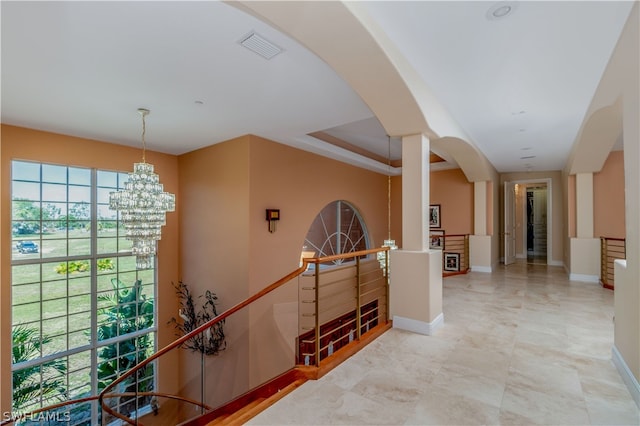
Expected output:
(81, 313)
(337, 229)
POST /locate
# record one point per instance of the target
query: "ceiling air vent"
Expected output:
(258, 44)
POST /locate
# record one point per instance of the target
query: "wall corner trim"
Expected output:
(626, 374)
(486, 269)
(420, 327)
(585, 278)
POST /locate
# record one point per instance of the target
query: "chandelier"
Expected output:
(142, 205)
(388, 242)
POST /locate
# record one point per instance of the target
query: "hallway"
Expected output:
(522, 345)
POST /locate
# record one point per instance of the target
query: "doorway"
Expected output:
(527, 221)
(536, 223)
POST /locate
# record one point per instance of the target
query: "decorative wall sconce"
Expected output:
(273, 216)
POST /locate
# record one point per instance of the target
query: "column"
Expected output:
(585, 249)
(480, 242)
(416, 272)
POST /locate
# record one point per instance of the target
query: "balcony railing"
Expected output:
(335, 305)
(455, 252)
(610, 250)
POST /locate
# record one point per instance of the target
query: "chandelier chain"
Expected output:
(389, 188)
(144, 112)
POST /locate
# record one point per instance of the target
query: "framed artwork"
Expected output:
(436, 239)
(434, 216)
(452, 262)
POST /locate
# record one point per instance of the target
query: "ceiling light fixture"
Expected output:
(388, 242)
(501, 10)
(143, 206)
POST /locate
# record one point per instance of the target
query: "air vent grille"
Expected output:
(258, 44)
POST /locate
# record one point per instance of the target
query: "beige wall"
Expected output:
(557, 213)
(26, 144)
(454, 193)
(608, 198)
(614, 110)
(627, 293)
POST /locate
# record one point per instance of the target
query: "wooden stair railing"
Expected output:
(302, 374)
(610, 250)
(107, 391)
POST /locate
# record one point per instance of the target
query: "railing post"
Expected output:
(386, 278)
(466, 252)
(358, 311)
(317, 313)
(202, 377)
(603, 261)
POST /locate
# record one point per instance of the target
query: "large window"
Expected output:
(337, 229)
(81, 312)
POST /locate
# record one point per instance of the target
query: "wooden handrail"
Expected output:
(176, 343)
(52, 407)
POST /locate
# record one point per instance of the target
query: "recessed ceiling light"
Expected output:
(501, 10)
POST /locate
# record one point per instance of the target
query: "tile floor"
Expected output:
(520, 346)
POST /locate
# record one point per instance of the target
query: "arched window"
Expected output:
(337, 229)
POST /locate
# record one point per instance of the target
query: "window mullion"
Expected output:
(94, 293)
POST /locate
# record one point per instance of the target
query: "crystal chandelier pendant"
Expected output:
(388, 242)
(143, 205)
(381, 255)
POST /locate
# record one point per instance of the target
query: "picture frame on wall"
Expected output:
(452, 262)
(436, 239)
(434, 216)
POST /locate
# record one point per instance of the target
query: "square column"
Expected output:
(585, 249)
(480, 242)
(416, 271)
(584, 205)
(415, 192)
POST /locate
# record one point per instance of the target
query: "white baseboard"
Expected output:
(481, 269)
(627, 375)
(585, 278)
(420, 327)
(521, 256)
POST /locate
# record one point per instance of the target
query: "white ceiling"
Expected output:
(519, 86)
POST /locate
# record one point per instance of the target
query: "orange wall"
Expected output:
(214, 254)
(608, 198)
(217, 239)
(225, 189)
(454, 193)
(300, 184)
(25, 144)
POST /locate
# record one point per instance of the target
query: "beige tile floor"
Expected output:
(520, 346)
